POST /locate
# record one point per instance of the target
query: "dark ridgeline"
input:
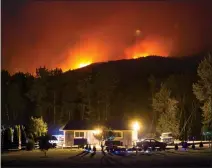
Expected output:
(100, 91)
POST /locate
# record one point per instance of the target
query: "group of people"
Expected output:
(88, 148)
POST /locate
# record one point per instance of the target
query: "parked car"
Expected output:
(151, 143)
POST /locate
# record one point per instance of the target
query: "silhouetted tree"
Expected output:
(5, 81)
(105, 83)
(85, 88)
(37, 127)
(38, 91)
(167, 109)
(203, 90)
(44, 144)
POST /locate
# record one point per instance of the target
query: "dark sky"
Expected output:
(61, 33)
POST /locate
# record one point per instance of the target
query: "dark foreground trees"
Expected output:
(107, 90)
(166, 108)
(203, 91)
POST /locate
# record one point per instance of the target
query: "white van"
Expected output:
(167, 138)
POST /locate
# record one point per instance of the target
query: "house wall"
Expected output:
(127, 137)
(91, 139)
(69, 137)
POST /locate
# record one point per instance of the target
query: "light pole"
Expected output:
(98, 134)
(136, 128)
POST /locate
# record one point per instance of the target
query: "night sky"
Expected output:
(62, 34)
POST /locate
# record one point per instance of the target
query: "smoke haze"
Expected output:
(65, 34)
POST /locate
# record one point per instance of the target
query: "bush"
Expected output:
(44, 144)
(30, 145)
(193, 146)
(201, 145)
(176, 146)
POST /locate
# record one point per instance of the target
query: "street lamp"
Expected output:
(136, 126)
(97, 131)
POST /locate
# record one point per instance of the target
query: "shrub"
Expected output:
(30, 145)
(193, 146)
(44, 144)
(176, 146)
(201, 145)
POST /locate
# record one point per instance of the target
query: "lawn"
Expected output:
(67, 158)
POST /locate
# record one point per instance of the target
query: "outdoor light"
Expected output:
(136, 126)
(97, 131)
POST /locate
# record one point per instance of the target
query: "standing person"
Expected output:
(89, 148)
(94, 149)
(102, 147)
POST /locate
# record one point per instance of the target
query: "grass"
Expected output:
(64, 157)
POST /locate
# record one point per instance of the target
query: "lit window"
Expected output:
(79, 134)
(118, 134)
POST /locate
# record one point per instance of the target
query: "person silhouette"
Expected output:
(94, 149)
(89, 148)
(86, 147)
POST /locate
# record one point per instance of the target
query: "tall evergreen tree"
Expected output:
(203, 90)
(167, 109)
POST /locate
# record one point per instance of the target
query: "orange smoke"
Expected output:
(149, 46)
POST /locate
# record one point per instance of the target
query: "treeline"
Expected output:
(155, 89)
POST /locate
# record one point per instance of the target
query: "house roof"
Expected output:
(55, 129)
(90, 125)
(80, 125)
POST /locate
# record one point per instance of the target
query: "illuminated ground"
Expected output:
(68, 158)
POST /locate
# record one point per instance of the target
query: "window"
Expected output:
(118, 134)
(78, 134)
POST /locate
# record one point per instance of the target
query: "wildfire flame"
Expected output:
(86, 53)
(89, 50)
(84, 64)
(148, 46)
(78, 64)
(138, 55)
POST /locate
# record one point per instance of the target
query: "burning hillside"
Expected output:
(92, 51)
(70, 35)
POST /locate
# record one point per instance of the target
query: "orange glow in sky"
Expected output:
(149, 46)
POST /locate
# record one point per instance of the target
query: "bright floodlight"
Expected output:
(97, 131)
(136, 126)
